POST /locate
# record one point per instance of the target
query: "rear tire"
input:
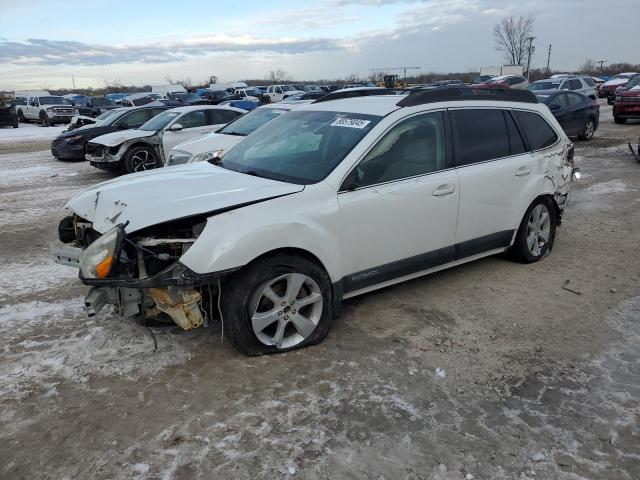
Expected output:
(140, 159)
(588, 130)
(277, 304)
(537, 231)
(619, 120)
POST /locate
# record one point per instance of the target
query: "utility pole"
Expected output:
(548, 58)
(531, 39)
(73, 80)
(601, 62)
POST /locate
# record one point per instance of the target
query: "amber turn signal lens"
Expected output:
(104, 267)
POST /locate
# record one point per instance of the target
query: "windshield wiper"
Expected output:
(238, 134)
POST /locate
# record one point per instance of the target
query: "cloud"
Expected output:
(59, 52)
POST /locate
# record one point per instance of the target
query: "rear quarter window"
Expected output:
(538, 132)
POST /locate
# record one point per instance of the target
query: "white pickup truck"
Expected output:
(277, 93)
(47, 110)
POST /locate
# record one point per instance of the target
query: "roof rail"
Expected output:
(352, 93)
(421, 97)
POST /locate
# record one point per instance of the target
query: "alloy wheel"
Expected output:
(589, 129)
(143, 160)
(286, 310)
(538, 229)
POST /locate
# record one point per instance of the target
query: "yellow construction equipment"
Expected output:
(392, 81)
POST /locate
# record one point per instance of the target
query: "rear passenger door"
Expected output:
(495, 171)
(577, 112)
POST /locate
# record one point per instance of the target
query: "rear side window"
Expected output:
(575, 85)
(574, 99)
(589, 81)
(515, 140)
(223, 116)
(537, 130)
(480, 135)
(193, 119)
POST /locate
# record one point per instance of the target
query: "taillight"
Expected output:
(570, 154)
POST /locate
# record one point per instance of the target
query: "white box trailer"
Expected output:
(497, 70)
(165, 90)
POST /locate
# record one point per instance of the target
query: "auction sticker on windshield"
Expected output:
(350, 122)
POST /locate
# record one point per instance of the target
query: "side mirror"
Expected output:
(554, 106)
(592, 96)
(176, 127)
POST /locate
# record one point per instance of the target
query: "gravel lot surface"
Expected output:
(491, 370)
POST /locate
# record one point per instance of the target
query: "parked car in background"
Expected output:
(94, 106)
(81, 120)
(580, 84)
(47, 110)
(218, 143)
(627, 101)
(218, 96)
(71, 145)
(277, 93)
(304, 97)
(185, 99)
(516, 82)
(148, 147)
(139, 99)
(481, 79)
(609, 87)
(8, 116)
(116, 97)
(249, 94)
(632, 83)
(333, 200)
(15, 103)
(577, 114)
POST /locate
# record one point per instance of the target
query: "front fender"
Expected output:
(305, 221)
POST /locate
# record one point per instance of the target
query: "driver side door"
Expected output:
(399, 207)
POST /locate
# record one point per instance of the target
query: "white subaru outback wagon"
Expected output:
(335, 199)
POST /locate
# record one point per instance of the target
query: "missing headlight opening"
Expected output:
(139, 272)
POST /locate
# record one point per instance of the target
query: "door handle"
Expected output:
(445, 189)
(522, 171)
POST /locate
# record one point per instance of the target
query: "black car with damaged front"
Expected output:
(71, 145)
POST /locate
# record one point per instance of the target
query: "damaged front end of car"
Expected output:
(140, 272)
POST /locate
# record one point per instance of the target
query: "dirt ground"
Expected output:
(538, 366)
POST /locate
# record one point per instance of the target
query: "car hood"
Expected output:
(116, 138)
(210, 143)
(149, 198)
(615, 81)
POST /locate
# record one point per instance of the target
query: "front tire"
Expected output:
(277, 304)
(21, 118)
(588, 130)
(537, 231)
(44, 119)
(140, 159)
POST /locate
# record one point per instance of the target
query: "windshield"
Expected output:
(253, 92)
(287, 88)
(100, 102)
(53, 101)
(633, 82)
(106, 114)
(159, 121)
(251, 121)
(300, 147)
(544, 86)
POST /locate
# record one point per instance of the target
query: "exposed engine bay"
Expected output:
(139, 273)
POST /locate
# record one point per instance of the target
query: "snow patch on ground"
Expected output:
(22, 278)
(612, 186)
(29, 132)
(47, 344)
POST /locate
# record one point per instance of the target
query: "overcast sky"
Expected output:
(44, 43)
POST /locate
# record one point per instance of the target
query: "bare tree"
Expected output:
(510, 36)
(278, 76)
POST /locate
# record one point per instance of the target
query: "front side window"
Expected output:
(537, 130)
(589, 81)
(414, 147)
(573, 99)
(300, 147)
(480, 135)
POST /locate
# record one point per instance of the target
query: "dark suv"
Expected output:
(70, 145)
(94, 106)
